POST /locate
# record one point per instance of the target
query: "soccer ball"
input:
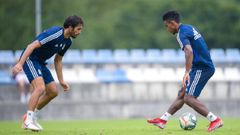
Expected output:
(188, 121)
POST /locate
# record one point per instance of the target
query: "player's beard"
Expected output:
(73, 35)
(174, 32)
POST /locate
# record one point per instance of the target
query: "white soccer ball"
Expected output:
(188, 121)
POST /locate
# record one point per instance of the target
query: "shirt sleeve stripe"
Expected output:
(51, 37)
(179, 40)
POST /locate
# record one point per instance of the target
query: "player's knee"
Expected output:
(39, 89)
(188, 100)
(53, 93)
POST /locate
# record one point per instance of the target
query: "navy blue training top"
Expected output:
(52, 41)
(189, 35)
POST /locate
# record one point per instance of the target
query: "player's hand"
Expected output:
(65, 86)
(17, 68)
(186, 79)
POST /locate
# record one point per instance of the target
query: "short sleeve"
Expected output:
(49, 35)
(182, 40)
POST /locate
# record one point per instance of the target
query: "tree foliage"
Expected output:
(122, 23)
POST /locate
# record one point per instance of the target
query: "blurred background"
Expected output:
(124, 64)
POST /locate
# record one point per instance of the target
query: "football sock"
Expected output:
(29, 115)
(36, 113)
(211, 117)
(166, 116)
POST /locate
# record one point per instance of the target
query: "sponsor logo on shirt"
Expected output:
(196, 34)
(62, 46)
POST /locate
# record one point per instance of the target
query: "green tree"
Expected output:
(122, 23)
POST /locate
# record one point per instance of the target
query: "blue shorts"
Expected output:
(33, 69)
(198, 79)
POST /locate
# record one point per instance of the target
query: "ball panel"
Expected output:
(187, 121)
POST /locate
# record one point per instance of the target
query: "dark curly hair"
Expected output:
(171, 16)
(73, 21)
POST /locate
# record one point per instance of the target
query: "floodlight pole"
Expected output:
(38, 16)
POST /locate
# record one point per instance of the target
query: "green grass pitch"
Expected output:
(118, 127)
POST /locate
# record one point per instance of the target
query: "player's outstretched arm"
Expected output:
(58, 68)
(18, 67)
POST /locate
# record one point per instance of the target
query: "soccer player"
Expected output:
(198, 70)
(55, 40)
